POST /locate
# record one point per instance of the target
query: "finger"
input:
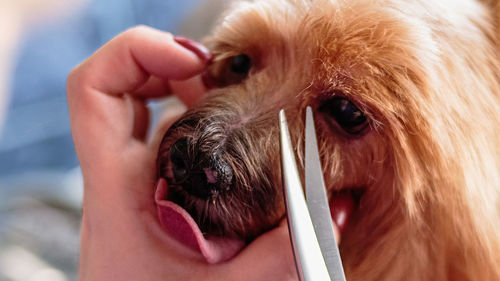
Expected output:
(137, 182)
(269, 257)
(121, 66)
(125, 63)
(141, 119)
(189, 91)
(154, 87)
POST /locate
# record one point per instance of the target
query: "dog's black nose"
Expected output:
(199, 173)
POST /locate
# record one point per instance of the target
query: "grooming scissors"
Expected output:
(314, 244)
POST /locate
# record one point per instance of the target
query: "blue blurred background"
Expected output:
(37, 125)
(40, 182)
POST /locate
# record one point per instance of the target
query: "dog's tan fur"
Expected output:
(427, 74)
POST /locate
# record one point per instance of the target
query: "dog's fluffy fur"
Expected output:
(425, 73)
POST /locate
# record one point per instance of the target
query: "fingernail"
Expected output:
(201, 51)
(208, 81)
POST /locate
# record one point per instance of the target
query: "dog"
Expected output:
(406, 96)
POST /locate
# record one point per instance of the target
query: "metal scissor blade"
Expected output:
(317, 201)
(309, 260)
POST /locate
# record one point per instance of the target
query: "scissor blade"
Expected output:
(308, 258)
(317, 201)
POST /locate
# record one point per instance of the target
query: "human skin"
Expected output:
(121, 238)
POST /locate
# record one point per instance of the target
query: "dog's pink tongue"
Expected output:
(341, 207)
(178, 223)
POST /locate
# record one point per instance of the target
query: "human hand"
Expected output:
(121, 236)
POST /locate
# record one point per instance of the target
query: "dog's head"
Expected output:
(406, 104)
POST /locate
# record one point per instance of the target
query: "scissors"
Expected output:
(314, 244)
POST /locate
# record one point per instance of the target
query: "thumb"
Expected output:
(269, 257)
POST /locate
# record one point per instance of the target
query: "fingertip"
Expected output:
(188, 91)
(197, 48)
(125, 64)
(160, 54)
(270, 257)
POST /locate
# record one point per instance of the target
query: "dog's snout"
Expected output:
(201, 174)
(218, 160)
(180, 160)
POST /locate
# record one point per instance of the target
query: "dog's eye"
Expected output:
(346, 114)
(240, 64)
(229, 71)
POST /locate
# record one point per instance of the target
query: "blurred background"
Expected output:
(40, 180)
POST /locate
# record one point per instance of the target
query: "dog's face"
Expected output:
(402, 94)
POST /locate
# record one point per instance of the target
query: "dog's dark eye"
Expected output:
(240, 64)
(346, 114)
(229, 71)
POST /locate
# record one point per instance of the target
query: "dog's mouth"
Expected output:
(181, 225)
(182, 222)
(343, 204)
(218, 191)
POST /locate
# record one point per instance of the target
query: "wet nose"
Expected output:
(201, 174)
